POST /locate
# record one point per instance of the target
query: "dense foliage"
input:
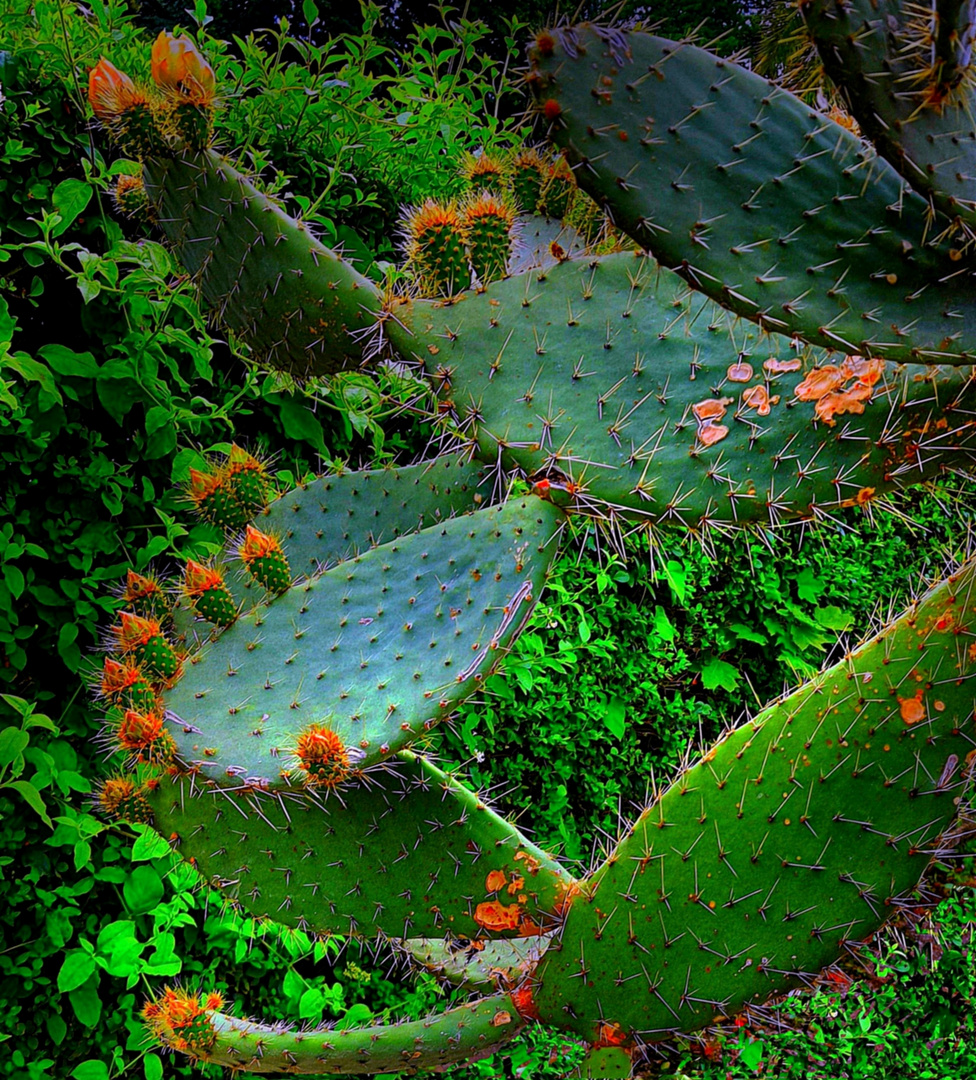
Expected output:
(112, 386)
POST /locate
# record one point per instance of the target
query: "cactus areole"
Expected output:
(770, 322)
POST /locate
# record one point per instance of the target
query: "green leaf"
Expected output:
(584, 629)
(293, 985)
(67, 362)
(90, 1070)
(76, 970)
(615, 717)
(152, 1067)
(14, 579)
(86, 1003)
(156, 417)
(746, 633)
(32, 797)
(299, 423)
(13, 742)
(808, 586)
(150, 845)
(663, 626)
(56, 1028)
(833, 617)
(143, 890)
(355, 1016)
(68, 649)
(751, 1054)
(677, 578)
(311, 1005)
(719, 673)
(70, 198)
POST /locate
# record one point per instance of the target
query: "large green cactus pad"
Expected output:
(607, 374)
(377, 649)
(342, 514)
(298, 305)
(464, 1033)
(413, 852)
(906, 76)
(801, 831)
(754, 198)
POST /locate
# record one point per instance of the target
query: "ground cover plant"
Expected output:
(79, 498)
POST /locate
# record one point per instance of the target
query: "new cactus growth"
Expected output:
(486, 172)
(488, 220)
(144, 642)
(435, 248)
(207, 590)
(374, 602)
(527, 170)
(264, 559)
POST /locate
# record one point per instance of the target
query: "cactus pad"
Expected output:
(799, 833)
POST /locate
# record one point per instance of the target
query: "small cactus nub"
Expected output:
(323, 756)
(125, 685)
(527, 171)
(485, 172)
(488, 220)
(122, 799)
(144, 641)
(144, 735)
(205, 587)
(264, 559)
(180, 1020)
(130, 197)
(558, 190)
(231, 494)
(145, 594)
(249, 478)
(436, 248)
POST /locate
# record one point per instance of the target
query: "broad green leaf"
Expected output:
(808, 586)
(311, 1005)
(32, 797)
(663, 625)
(718, 673)
(152, 1067)
(751, 1054)
(300, 423)
(70, 198)
(76, 970)
(143, 890)
(66, 361)
(833, 617)
(86, 1003)
(677, 578)
(355, 1016)
(90, 1070)
(150, 845)
(615, 717)
(13, 742)
(746, 633)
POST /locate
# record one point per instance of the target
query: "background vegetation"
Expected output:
(112, 385)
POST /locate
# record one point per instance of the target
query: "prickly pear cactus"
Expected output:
(274, 720)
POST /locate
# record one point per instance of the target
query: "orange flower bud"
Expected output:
(180, 69)
(198, 578)
(110, 91)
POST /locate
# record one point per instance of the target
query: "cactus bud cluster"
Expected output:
(181, 1020)
(232, 493)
